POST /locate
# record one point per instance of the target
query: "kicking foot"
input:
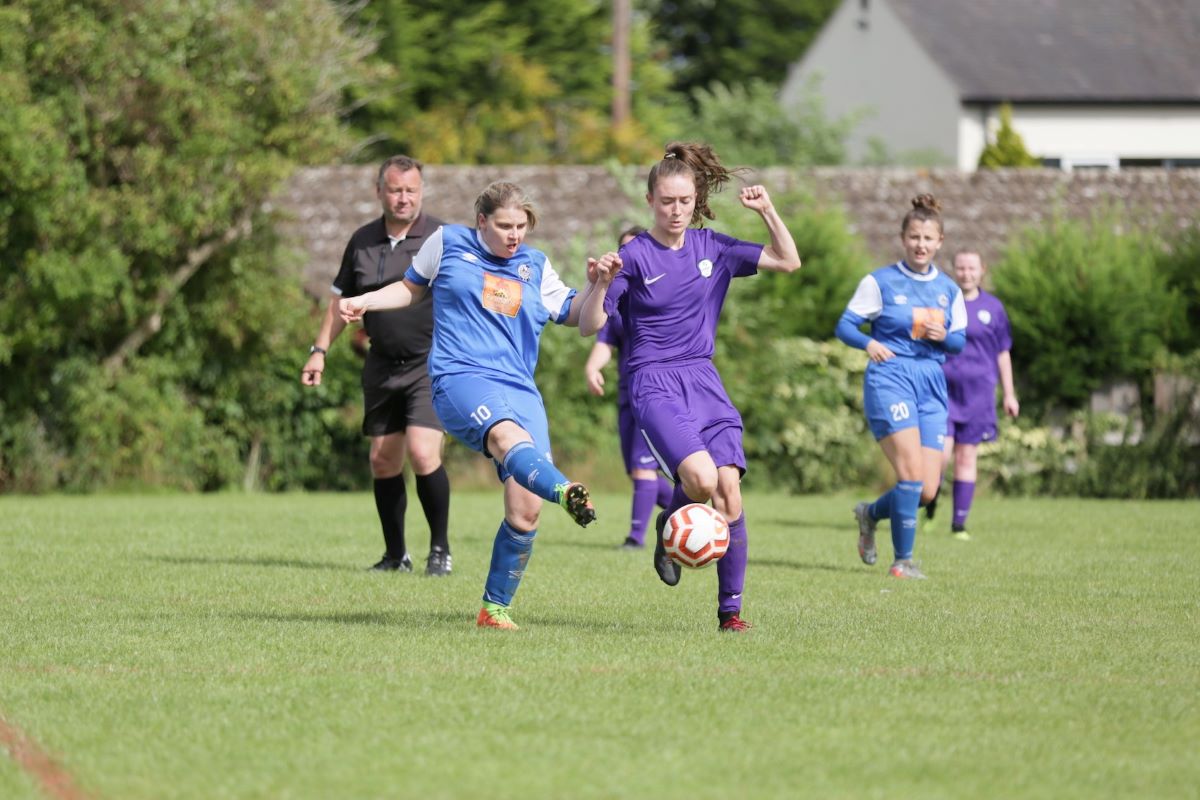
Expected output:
(578, 503)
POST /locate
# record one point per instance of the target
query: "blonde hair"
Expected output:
(502, 194)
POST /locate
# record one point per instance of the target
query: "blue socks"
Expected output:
(535, 473)
(906, 499)
(882, 507)
(510, 554)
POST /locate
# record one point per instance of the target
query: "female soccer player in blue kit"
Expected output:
(492, 296)
(669, 291)
(917, 316)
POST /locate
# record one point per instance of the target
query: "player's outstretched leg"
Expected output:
(575, 499)
(539, 475)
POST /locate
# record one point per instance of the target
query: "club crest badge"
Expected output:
(523, 272)
(705, 267)
(943, 300)
(984, 316)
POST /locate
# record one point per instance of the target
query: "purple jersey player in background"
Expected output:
(971, 380)
(668, 292)
(649, 487)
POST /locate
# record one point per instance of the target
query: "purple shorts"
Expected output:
(634, 448)
(972, 431)
(683, 410)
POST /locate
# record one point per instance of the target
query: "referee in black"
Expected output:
(397, 398)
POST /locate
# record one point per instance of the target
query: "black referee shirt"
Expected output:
(370, 262)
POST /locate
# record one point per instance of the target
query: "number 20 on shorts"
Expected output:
(899, 411)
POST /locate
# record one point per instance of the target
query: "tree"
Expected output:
(736, 41)
(1008, 149)
(494, 82)
(138, 145)
(746, 125)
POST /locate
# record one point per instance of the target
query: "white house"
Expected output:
(1105, 83)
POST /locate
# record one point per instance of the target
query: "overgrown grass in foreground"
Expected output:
(233, 646)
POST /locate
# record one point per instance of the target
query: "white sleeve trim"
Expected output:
(554, 291)
(428, 259)
(867, 301)
(958, 313)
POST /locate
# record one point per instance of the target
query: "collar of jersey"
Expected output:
(917, 276)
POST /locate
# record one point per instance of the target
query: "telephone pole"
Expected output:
(622, 16)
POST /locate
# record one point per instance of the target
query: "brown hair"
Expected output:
(925, 207)
(700, 162)
(502, 194)
(633, 230)
(402, 163)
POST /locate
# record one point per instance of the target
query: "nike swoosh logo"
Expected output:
(655, 278)
(646, 459)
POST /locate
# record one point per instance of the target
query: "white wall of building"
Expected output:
(1092, 134)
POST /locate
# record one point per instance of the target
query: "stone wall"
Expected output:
(582, 208)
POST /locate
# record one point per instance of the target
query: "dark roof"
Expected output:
(1135, 51)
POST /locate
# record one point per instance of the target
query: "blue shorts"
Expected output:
(469, 405)
(904, 393)
(634, 448)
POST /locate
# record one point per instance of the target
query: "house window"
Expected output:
(1106, 162)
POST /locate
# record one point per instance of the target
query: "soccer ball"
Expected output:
(696, 536)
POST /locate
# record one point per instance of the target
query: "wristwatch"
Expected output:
(315, 349)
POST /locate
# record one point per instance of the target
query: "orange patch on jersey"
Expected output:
(923, 318)
(501, 294)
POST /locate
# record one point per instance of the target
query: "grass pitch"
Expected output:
(235, 646)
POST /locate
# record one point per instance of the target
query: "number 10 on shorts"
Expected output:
(483, 414)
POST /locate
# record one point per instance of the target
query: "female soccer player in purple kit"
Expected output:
(669, 291)
(649, 487)
(971, 382)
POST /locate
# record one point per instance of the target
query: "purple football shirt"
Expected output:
(671, 299)
(971, 375)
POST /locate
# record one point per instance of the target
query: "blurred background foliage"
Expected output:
(150, 313)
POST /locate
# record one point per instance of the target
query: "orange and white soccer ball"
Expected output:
(696, 535)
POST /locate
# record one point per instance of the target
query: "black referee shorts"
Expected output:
(397, 393)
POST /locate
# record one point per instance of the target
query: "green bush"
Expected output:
(1105, 455)
(806, 303)
(1008, 149)
(747, 125)
(801, 403)
(1087, 304)
(1179, 264)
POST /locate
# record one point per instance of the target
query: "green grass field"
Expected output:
(234, 646)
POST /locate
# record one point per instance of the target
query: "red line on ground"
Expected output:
(38, 764)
